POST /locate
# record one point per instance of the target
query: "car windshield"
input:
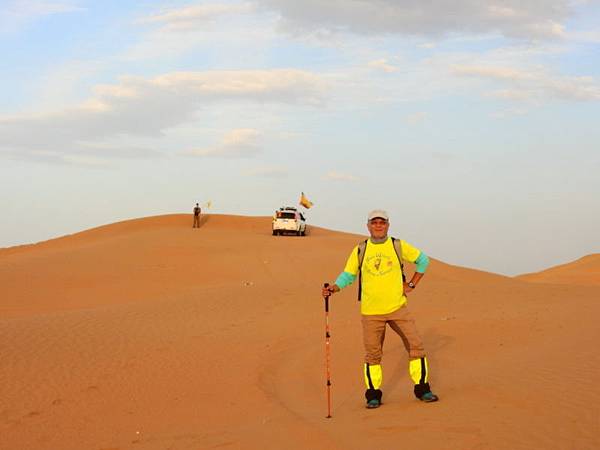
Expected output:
(286, 215)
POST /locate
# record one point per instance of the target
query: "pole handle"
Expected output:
(326, 285)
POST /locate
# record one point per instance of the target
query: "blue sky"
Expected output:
(473, 123)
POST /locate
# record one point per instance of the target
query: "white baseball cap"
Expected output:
(378, 213)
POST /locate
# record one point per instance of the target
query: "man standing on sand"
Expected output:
(382, 289)
(197, 211)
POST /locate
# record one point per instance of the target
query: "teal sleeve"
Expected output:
(345, 279)
(422, 262)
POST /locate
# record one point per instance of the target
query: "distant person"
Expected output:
(197, 212)
(377, 262)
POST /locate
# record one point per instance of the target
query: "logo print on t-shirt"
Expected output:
(378, 264)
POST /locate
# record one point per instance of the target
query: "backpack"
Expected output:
(362, 247)
(196, 210)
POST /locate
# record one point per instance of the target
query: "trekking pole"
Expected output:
(327, 336)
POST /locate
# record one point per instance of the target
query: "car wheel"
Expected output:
(274, 233)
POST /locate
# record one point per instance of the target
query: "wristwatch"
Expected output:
(411, 285)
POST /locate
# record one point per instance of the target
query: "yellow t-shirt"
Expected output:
(382, 289)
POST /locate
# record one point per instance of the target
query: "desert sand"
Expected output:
(148, 334)
(584, 271)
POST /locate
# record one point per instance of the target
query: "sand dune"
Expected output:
(148, 334)
(584, 271)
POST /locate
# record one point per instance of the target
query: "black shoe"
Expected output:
(429, 397)
(373, 397)
(373, 403)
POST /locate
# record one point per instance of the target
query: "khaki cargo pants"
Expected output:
(402, 322)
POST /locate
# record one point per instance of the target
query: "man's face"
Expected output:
(378, 227)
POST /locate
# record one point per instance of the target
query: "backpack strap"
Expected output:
(398, 248)
(362, 248)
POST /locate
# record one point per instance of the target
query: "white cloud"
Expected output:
(533, 84)
(592, 37)
(383, 64)
(506, 73)
(19, 13)
(511, 112)
(338, 176)
(511, 18)
(148, 107)
(268, 172)
(204, 27)
(89, 161)
(238, 143)
(55, 157)
(416, 118)
(195, 16)
(84, 154)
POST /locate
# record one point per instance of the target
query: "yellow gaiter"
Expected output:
(373, 376)
(419, 371)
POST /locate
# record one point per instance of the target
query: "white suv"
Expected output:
(289, 220)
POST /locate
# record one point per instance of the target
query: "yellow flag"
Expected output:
(304, 201)
(208, 204)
